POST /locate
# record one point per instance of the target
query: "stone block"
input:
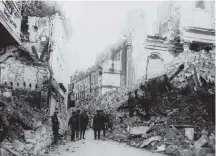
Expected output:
(201, 151)
(7, 94)
(28, 147)
(202, 141)
(37, 135)
(184, 152)
(28, 134)
(139, 130)
(40, 145)
(189, 132)
(17, 145)
(42, 130)
(171, 149)
(150, 140)
(161, 148)
(36, 124)
(33, 140)
(211, 142)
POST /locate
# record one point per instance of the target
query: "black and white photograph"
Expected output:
(107, 78)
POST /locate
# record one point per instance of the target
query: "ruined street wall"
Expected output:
(17, 72)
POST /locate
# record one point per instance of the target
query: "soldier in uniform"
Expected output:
(83, 124)
(130, 104)
(103, 122)
(55, 126)
(72, 125)
(145, 100)
(77, 124)
(97, 125)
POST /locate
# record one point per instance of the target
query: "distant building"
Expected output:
(110, 72)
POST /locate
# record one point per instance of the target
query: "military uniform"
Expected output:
(77, 127)
(83, 124)
(103, 122)
(55, 127)
(98, 125)
(72, 124)
(3, 127)
(146, 100)
(130, 105)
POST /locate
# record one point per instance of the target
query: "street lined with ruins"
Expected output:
(137, 75)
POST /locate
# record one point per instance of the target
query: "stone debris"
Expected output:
(180, 117)
(184, 152)
(138, 130)
(30, 130)
(161, 148)
(189, 132)
(203, 141)
(150, 140)
(171, 149)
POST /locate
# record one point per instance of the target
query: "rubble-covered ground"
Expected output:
(29, 129)
(181, 121)
(91, 147)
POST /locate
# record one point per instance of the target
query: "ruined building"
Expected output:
(111, 71)
(20, 69)
(46, 33)
(34, 47)
(178, 29)
(181, 26)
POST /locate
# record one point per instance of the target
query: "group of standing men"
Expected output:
(78, 124)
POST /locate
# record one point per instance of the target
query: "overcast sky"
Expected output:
(97, 24)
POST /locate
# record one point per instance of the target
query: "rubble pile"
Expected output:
(180, 121)
(30, 129)
(177, 123)
(203, 61)
(108, 102)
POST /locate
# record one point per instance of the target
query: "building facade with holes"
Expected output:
(34, 56)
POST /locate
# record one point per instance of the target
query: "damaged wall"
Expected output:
(17, 72)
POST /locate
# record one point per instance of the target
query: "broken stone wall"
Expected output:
(19, 75)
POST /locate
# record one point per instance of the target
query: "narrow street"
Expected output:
(91, 147)
(142, 70)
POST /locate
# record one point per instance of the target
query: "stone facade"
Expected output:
(47, 38)
(192, 20)
(113, 71)
(32, 70)
(179, 29)
(59, 56)
(17, 74)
